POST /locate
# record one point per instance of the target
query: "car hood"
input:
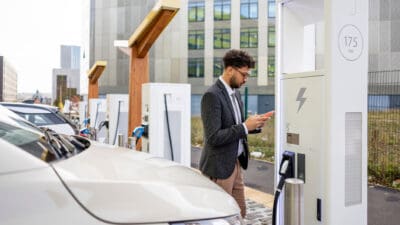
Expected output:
(119, 185)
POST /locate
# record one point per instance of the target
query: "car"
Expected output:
(43, 116)
(50, 178)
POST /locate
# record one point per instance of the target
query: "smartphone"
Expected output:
(268, 114)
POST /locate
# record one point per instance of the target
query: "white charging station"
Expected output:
(156, 98)
(97, 112)
(82, 112)
(117, 113)
(321, 105)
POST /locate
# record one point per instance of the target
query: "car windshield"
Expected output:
(31, 140)
(44, 144)
(41, 119)
(67, 120)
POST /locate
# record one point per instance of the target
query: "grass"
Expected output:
(384, 147)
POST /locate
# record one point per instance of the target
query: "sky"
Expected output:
(31, 33)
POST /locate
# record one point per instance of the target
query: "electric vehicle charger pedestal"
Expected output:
(321, 106)
(117, 113)
(166, 121)
(294, 202)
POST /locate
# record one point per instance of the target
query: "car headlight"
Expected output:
(232, 220)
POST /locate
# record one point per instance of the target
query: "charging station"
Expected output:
(321, 105)
(166, 116)
(117, 113)
(98, 109)
(82, 112)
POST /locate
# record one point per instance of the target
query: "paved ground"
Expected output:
(257, 213)
(383, 203)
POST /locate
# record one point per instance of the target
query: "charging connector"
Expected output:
(286, 170)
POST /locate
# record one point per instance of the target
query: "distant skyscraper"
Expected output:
(66, 80)
(70, 57)
(8, 81)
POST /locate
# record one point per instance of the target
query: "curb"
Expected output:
(260, 197)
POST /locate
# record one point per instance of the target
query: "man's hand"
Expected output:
(268, 115)
(254, 122)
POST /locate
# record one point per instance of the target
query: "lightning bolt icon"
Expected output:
(300, 98)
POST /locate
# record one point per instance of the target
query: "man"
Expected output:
(225, 131)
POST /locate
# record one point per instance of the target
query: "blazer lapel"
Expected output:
(227, 98)
(239, 100)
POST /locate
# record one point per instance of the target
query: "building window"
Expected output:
(254, 71)
(196, 39)
(222, 38)
(271, 36)
(249, 38)
(271, 66)
(271, 8)
(249, 9)
(196, 11)
(196, 67)
(222, 10)
(218, 67)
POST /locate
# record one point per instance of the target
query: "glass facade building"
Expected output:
(191, 48)
(227, 24)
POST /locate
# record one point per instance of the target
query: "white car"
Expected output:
(46, 178)
(43, 116)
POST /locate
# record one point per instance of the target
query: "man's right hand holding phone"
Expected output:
(268, 115)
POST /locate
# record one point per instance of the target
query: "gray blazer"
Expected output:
(221, 133)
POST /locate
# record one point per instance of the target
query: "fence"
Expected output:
(384, 127)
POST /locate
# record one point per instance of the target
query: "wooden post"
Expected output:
(93, 75)
(140, 43)
(139, 75)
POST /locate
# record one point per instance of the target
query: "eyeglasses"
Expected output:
(244, 74)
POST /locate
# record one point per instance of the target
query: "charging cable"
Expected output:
(285, 173)
(116, 128)
(168, 127)
(95, 120)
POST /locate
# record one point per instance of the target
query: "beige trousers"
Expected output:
(234, 185)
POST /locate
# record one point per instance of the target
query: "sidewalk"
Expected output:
(259, 207)
(259, 204)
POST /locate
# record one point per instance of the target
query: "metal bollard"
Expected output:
(132, 143)
(120, 140)
(294, 202)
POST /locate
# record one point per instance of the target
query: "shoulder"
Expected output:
(217, 87)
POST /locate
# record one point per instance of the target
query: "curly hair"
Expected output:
(238, 58)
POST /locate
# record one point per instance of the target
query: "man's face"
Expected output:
(239, 76)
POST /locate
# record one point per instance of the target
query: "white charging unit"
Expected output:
(321, 105)
(83, 114)
(97, 112)
(117, 113)
(155, 96)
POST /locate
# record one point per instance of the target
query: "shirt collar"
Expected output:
(227, 87)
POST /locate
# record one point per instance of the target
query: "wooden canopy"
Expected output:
(94, 74)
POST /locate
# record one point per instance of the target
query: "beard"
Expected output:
(234, 83)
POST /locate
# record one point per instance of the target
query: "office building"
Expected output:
(384, 55)
(8, 81)
(112, 20)
(216, 26)
(66, 80)
(191, 48)
(185, 52)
